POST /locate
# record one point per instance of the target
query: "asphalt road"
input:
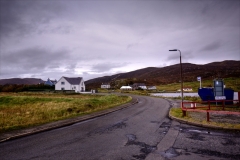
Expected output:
(141, 131)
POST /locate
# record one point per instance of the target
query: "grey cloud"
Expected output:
(128, 34)
(212, 46)
(173, 56)
(23, 17)
(132, 45)
(34, 58)
(104, 67)
(220, 13)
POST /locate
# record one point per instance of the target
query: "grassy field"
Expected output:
(233, 83)
(21, 110)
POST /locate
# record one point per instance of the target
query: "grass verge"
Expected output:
(177, 113)
(22, 110)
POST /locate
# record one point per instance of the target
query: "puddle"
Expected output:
(170, 153)
(165, 125)
(228, 142)
(217, 154)
(207, 132)
(196, 136)
(131, 138)
(145, 148)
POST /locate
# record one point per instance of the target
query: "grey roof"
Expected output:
(73, 80)
(105, 83)
(139, 84)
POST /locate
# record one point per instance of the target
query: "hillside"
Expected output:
(170, 74)
(21, 81)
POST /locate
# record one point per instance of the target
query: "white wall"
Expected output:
(59, 86)
(105, 86)
(82, 85)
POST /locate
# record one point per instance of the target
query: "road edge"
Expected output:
(200, 124)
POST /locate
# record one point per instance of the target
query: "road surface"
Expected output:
(141, 131)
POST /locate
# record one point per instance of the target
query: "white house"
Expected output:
(70, 83)
(105, 85)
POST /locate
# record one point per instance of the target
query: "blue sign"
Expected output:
(199, 78)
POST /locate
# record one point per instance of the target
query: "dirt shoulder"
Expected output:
(219, 121)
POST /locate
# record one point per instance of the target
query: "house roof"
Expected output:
(105, 83)
(139, 84)
(73, 80)
(187, 87)
(53, 81)
(50, 81)
(152, 87)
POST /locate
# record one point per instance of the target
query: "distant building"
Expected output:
(152, 88)
(126, 88)
(139, 86)
(50, 82)
(186, 89)
(105, 85)
(70, 83)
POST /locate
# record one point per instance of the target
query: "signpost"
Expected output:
(219, 89)
(199, 79)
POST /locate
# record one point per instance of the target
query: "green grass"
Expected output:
(21, 110)
(188, 98)
(233, 83)
(177, 113)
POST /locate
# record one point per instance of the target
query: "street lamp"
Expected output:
(181, 75)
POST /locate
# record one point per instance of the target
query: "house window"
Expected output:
(62, 88)
(62, 83)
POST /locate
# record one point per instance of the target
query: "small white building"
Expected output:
(126, 88)
(186, 89)
(105, 85)
(152, 88)
(139, 86)
(70, 83)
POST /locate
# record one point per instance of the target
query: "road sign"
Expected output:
(199, 79)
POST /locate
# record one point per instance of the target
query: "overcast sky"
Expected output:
(93, 38)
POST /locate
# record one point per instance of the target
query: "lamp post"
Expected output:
(184, 113)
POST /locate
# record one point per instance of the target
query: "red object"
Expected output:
(185, 106)
(238, 97)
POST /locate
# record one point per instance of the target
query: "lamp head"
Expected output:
(173, 50)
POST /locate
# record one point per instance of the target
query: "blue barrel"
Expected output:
(229, 94)
(206, 94)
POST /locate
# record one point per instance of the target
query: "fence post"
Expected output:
(223, 103)
(184, 112)
(239, 99)
(208, 104)
(208, 116)
(193, 105)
